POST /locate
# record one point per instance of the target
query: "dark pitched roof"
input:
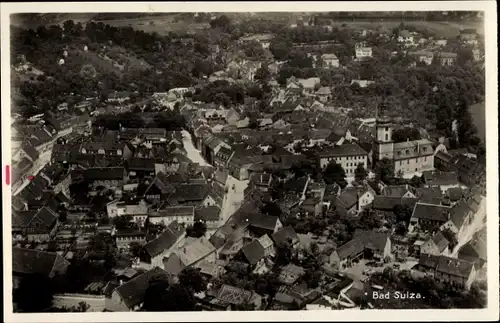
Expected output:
(351, 248)
(459, 213)
(440, 178)
(104, 173)
(348, 198)
(192, 192)
(343, 150)
(429, 261)
(253, 252)
(173, 211)
(385, 203)
(173, 265)
(396, 190)
(454, 267)
(431, 195)
(363, 240)
(165, 240)
(208, 213)
(454, 193)
(431, 212)
(133, 291)
(145, 164)
(162, 182)
(29, 261)
(440, 241)
(267, 222)
(30, 151)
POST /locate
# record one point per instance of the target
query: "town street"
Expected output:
(192, 153)
(43, 160)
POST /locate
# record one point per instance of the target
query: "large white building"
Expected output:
(409, 157)
(347, 155)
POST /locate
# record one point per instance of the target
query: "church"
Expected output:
(409, 158)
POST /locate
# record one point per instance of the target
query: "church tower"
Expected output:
(383, 146)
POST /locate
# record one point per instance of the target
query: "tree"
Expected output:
(135, 249)
(191, 278)
(403, 213)
(34, 294)
(360, 173)
(122, 222)
(416, 181)
(197, 230)
(451, 237)
(405, 133)
(223, 22)
(369, 220)
(384, 171)
(263, 73)
(271, 208)
(283, 255)
(334, 173)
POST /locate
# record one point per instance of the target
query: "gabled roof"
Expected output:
(162, 182)
(195, 251)
(262, 221)
(431, 195)
(253, 252)
(173, 264)
(386, 203)
(454, 267)
(348, 198)
(363, 240)
(30, 151)
(165, 240)
(133, 292)
(29, 261)
(396, 190)
(440, 241)
(440, 178)
(431, 212)
(234, 295)
(343, 150)
(208, 213)
(459, 213)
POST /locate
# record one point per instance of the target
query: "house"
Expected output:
(429, 195)
(469, 171)
(192, 194)
(290, 274)
(401, 191)
(363, 52)
(162, 246)
(405, 37)
(108, 177)
(454, 194)
(118, 97)
(330, 60)
(260, 224)
(140, 167)
(441, 42)
(423, 56)
(125, 237)
(238, 167)
(362, 83)
(130, 295)
(120, 208)
(222, 156)
(475, 250)
(387, 203)
(460, 218)
(443, 180)
(349, 156)
(457, 271)
(323, 94)
(37, 226)
(435, 245)
(26, 262)
(347, 202)
(159, 189)
(107, 148)
(254, 254)
(210, 215)
(428, 216)
(365, 244)
(447, 58)
(268, 245)
(263, 39)
(263, 181)
(180, 214)
(192, 251)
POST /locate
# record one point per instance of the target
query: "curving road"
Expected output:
(192, 153)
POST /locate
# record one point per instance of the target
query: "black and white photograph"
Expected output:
(214, 160)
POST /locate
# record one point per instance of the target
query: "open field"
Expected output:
(478, 112)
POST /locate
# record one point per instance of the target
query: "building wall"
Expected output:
(414, 165)
(348, 163)
(166, 220)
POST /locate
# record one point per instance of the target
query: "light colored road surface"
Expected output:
(233, 198)
(476, 225)
(44, 159)
(192, 153)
